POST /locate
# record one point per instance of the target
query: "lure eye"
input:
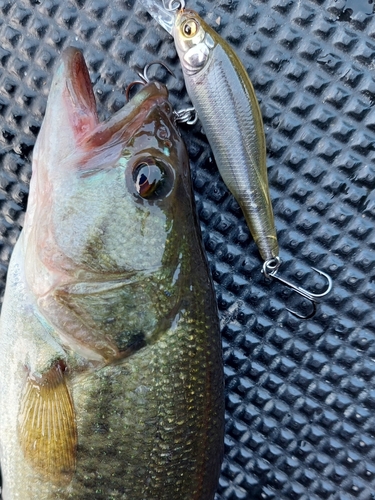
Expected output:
(190, 28)
(152, 179)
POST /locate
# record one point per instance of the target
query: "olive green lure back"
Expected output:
(111, 381)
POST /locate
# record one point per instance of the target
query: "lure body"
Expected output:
(223, 96)
(111, 382)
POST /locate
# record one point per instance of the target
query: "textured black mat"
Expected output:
(300, 394)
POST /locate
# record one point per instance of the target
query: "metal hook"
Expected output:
(144, 76)
(130, 86)
(270, 268)
(187, 115)
(173, 5)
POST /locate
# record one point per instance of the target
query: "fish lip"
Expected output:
(74, 71)
(164, 17)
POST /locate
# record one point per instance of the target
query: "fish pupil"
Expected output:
(148, 179)
(142, 180)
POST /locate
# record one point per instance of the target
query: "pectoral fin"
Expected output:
(47, 428)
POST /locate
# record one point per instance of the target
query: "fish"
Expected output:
(225, 101)
(111, 374)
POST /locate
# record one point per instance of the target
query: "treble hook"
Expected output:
(144, 76)
(173, 5)
(270, 269)
(187, 115)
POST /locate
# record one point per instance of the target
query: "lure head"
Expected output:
(194, 40)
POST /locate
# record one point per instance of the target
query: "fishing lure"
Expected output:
(224, 99)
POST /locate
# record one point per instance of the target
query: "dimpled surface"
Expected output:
(300, 394)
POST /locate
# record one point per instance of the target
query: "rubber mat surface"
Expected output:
(300, 394)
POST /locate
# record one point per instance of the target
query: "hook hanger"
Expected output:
(173, 5)
(270, 269)
(187, 115)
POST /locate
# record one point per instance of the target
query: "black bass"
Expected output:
(111, 381)
(224, 98)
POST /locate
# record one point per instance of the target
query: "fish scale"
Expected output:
(144, 416)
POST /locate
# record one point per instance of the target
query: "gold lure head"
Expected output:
(193, 40)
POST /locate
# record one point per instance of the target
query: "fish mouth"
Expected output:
(73, 83)
(71, 105)
(71, 109)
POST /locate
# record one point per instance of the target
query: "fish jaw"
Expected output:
(70, 113)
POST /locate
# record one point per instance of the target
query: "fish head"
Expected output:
(194, 40)
(105, 197)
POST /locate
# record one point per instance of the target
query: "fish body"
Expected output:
(224, 99)
(111, 380)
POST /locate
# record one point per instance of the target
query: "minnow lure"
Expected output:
(224, 99)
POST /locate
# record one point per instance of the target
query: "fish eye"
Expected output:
(190, 28)
(147, 178)
(152, 179)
